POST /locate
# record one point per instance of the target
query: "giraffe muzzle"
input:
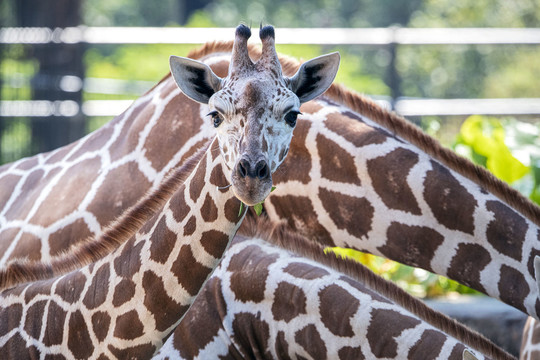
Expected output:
(259, 170)
(251, 180)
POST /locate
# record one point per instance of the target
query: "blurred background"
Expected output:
(466, 71)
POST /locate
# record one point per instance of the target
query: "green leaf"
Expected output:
(258, 208)
(241, 208)
(273, 188)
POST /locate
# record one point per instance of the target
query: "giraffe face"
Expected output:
(254, 108)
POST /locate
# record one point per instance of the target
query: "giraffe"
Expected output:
(396, 189)
(265, 301)
(134, 295)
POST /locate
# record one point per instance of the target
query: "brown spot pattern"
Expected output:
(63, 238)
(129, 261)
(6, 190)
(10, 318)
(305, 271)
(357, 133)
(123, 292)
(253, 335)
(28, 246)
(384, 327)
(513, 288)
(232, 206)
(411, 245)
(389, 179)
(15, 348)
(466, 265)
(70, 287)
(190, 226)
(144, 351)
(197, 181)
(128, 326)
(54, 331)
(337, 307)
(34, 316)
(214, 242)
(122, 188)
(428, 347)
(297, 164)
(165, 310)
(441, 189)
(310, 339)
(79, 341)
(190, 273)
(353, 214)
(289, 302)
(365, 290)
(97, 292)
(336, 163)
(100, 324)
(209, 211)
(281, 346)
(506, 232)
(178, 206)
(162, 242)
(348, 352)
(242, 282)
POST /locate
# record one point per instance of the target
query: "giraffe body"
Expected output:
(267, 303)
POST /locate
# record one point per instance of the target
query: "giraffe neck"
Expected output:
(291, 311)
(367, 189)
(124, 304)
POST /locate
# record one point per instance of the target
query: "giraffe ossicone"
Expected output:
(254, 108)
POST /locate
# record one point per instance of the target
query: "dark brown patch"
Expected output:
(214, 242)
(99, 288)
(506, 232)
(58, 154)
(513, 288)
(15, 348)
(310, 339)
(122, 188)
(26, 164)
(180, 121)
(305, 271)
(100, 324)
(10, 318)
(289, 302)
(32, 187)
(190, 226)
(128, 326)
(123, 292)
(70, 287)
(34, 319)
(28, 246)
(79, 341)
(428, 347)
(209, 211)
(189, 272)
(202, 322)
(62, 239)
(281, 346)
(70, 191)
(389, 179)
(457, 352)
(95, 142)
(297, 164)
(348, 352)
(144, 351)
(353, 214)
(450, 202)
(232, 207)
(197, 181)
(162, 242)
(37, 288)
(411, 245)
(336, 163)
(466, 265)
(62, 357)
(253, 335)
(337, 307)
(304, 221)
(383, 329)
(54, 331)
(166, 311)
(217, 177)
(243, 283)
(129, 261)
(356, 132)
(8, 187)
(178, 206)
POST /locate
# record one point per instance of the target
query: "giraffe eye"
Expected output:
(290, 117)
(216, 118)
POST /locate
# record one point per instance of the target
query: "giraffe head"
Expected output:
(254, 108)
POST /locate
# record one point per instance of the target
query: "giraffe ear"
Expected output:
(315, 76)
(468, 355)
(194, 78)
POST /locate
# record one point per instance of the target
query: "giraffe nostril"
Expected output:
(262, 170)
(242, 168)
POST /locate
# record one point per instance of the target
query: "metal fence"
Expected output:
(70, 112)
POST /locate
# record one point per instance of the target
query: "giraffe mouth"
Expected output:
(251, 191)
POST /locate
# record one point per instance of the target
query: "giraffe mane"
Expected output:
(115, 234)
(282, 236)
(400, 127)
